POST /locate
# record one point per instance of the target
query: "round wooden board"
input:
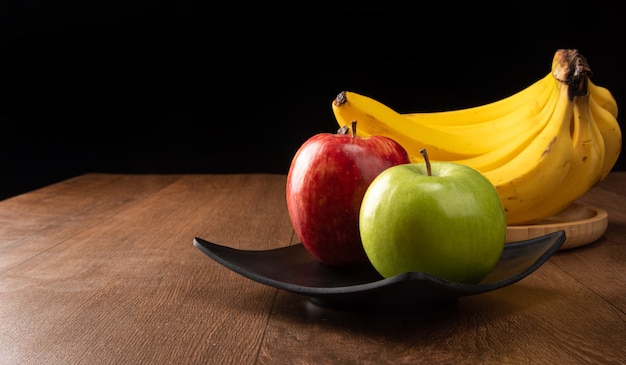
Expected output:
(583, 224)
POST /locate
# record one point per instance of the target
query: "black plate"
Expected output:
(292, 268)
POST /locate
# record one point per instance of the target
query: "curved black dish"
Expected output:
(292, 268)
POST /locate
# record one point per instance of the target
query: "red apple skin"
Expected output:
(326, 182)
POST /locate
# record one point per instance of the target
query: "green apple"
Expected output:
(441, 218)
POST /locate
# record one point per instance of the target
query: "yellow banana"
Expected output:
(461, 141)
(584, 172)
(502, 108)
(603, 97)
(538, 170)
(611, 133)
(499, 132)
(503, 154)
(376, 118)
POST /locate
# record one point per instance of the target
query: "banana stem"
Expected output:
(426, 161)
(571, 67)
(343, 130)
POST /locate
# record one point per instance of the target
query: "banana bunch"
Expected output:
(542, 147)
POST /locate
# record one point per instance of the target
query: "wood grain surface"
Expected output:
(100, 269)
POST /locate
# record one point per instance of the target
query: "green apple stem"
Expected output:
(427, 161)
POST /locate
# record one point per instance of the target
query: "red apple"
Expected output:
(327, 179)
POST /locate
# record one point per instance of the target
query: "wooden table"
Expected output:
(101, 269)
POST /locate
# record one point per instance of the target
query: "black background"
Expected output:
(175, 87)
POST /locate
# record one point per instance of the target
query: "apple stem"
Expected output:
(427, 161)
(353, 128)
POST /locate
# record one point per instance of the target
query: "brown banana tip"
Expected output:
(343, 130)
(340, 99)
